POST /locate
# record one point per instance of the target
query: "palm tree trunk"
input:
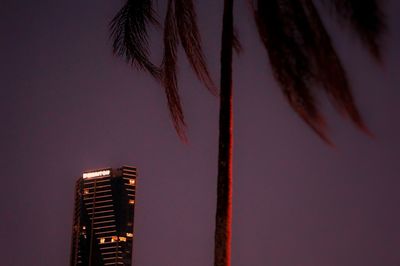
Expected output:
(222, 248)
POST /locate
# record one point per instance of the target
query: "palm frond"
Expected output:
(237, 46)
(365, 17)
(169, 70)
(289, 59)
(129, 34)
(186, 20)
(328, 66)
(302, 56)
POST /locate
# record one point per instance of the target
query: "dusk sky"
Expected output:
(68, 105)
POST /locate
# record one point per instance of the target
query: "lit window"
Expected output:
(83, 227)
(86, 191)
(131, 201)
(114, 238)
(122, 239)
(129, 234)
(132, 181)
(102, 240)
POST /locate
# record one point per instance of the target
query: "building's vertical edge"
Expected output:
(133, 211)
(75, 224)
(129, 174)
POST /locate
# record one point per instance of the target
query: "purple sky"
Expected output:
(68, 105)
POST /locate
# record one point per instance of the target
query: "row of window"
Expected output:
(113, 239)
(87, 190)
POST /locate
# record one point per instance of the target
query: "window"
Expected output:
(86, 191)
(122, 239)
(131, 201)
(132, 181)
(129, 234)
(102, 240)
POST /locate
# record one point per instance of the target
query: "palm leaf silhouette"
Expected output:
(365, 18)
(302, 55)
(129, 33)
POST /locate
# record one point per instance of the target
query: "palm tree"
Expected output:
(300, 52)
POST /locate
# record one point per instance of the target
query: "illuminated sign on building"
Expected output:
(96, 174)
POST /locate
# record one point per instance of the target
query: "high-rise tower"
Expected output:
(102, 231)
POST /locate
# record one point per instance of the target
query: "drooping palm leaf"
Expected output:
(169, 70)
(289, 58)
(129, 34)
(365, 17)
(186, 21)
(302, 55)
(329, 69)
(237, 46)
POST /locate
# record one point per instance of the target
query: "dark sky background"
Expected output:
(68, 105)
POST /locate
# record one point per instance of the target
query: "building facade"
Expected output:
(102, 231)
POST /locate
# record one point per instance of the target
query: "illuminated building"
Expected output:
(102, 231)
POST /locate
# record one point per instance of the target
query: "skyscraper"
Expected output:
(102, 231)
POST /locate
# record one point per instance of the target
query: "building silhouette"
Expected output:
(102, 231)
